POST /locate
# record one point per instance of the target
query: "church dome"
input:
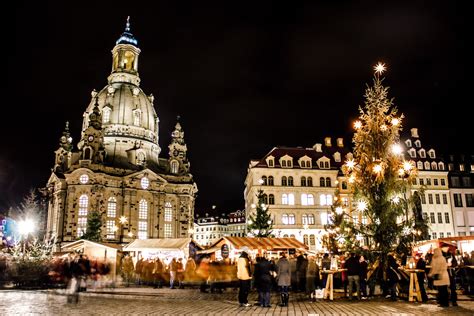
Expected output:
(129, 120)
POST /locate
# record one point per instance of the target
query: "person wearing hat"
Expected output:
(244, 275)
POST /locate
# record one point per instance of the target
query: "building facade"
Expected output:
(299, 186)
(432, 185)
(117, 169)
(461, 183)
(209, 229)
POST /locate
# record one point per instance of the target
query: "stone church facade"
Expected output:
(117, 169)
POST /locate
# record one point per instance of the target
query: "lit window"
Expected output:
(112, 207)
(441, 166)
(310, 199)
(84, 178)
(83, 205)
(304, 219)
(310, 219)
(284, 219)
(110, 229)
(143, 209)
(284, 199)
(427, 165)
(304, 199)
(145, 183)
(174, 166)
(312, 240)
(291, 199)
(142, 230)
(168, 231)
(461, 167)
(291, 219)
(81, 226)
(106, 115)
(168, 212)
(325, 199)
(305, 239)
(419, 165)
(434, 166)
(324, 219)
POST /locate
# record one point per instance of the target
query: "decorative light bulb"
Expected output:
(395, 121)
(339, 210)
(383, 127)
(401, 172)
(377, 168)
(396, 200)
(352, 178)
(123, 219)
(357, 124)
(361, 205)
(114, 228)
(407, 166)
(130, 234)
(350, 164)
(397, 149)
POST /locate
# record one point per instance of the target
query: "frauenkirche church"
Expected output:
(117, 169)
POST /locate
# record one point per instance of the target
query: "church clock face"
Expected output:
(90, 138)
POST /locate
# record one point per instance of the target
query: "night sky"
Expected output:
(243, 76)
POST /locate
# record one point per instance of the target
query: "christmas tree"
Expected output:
(380, 219)
(261, 224)
(94, 227)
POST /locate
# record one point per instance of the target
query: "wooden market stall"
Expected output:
(231, 247)
(163, 248)
(461, 243)
(105, 252)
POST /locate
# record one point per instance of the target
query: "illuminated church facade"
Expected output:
(117, 169)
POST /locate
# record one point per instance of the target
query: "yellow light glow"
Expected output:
(350, 164)
(339, 210)
(379, 68)
(357, 124)
(395, 121)
(114, 228)
(130, 234)
(361, 205)
(377, 168)
(352, 178)
(383, 127)
(396, 200)
(397, 149)
(401, 172)
(123, 219)
(407, 166)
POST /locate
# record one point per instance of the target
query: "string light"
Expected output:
(397, 149)
(350, 164)
(396, 200)
(407, 166)
(395, 121)
(383, 127)
(352, 178)
(339, 210)
(377, 168)
(122, 220)
(357, 124)
(361, 205)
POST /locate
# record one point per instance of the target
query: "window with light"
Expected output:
(106, 115)
(168, 217)
(142, 230)
(83, 205)
(291, 199)
(110, 229)
(168, 231)
(143, 209)
(112, 207)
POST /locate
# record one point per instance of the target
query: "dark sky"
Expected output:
(244, 76)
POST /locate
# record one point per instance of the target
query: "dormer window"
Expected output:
(324, 163)
(408, 143)
(137, 117)
(427, 165)
(337, 157)
(106, 115)
(418, 143)
(286, 162)
(270, 161)
(174, 166)
(432, 153)
(419, 165)
(441, 166)
(412, 153)
(422, 153)
(305, 162)
(434, 166)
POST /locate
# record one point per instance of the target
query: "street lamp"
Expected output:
(25, 227)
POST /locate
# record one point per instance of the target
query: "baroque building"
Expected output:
(432, 185)
(117, 169)
(209, 229)
(299, 186)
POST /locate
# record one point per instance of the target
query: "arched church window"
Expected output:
(82, 215)
(137, 118)
(168, 212)
(174, 166)
(87, 153)
(141, 158)
(83, 205)
(106, 115)
(112, 207)
(143, 209)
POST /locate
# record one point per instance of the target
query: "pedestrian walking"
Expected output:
(439, 273)
(244, 274)
(352, 265)
(284, 278)
(263, 280)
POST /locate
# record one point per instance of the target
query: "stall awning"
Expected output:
(208, 250)
(158, 243)
(263, 243)
(80, 244)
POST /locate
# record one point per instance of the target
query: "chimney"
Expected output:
(317, 147)
(327, 141)
(414, 132)
(340, 142)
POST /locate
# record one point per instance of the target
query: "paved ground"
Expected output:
(146, 301)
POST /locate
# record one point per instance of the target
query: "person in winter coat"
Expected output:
(127, 269)
(263, 280)
(421, 265)
(312, 277)
(244, 275)
(393, 277)
(284, 278)
(439, 273)
(363, 276)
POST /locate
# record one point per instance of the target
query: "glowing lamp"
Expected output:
(377, 168)
(123, 219)
(26, 227)
(350, 164)
(357, 124)
(407, 166)
(361, 205)
(395, 121)
(397, 149)
(339, 210)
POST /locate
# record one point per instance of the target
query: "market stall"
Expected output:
(231, 247)
(461, 243)
(105, 252)
(163, 248)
